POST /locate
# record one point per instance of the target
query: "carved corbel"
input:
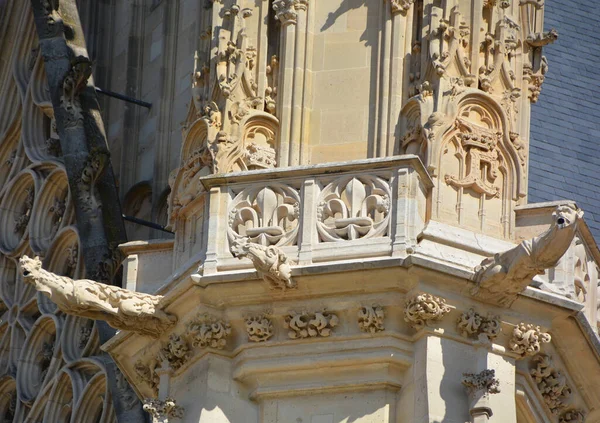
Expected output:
(423, 309)
(161, 411)
(479, 386)
(120, 308)
(501, 278)
(271, 264)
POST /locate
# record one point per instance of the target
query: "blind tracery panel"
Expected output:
(50, 368)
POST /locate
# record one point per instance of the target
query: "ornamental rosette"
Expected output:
(423, 309)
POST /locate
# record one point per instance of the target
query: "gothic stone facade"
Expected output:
(348, 197)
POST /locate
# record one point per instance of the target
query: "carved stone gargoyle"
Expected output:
(120, 308)
(502, 277)
(270, 262)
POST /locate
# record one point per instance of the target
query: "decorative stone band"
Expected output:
(120, 308)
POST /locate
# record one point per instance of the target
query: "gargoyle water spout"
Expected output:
(502, 277)
(120, 308)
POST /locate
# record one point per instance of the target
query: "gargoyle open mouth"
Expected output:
(26, 273)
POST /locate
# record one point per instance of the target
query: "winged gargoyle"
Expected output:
(119, 307)
(502, 277)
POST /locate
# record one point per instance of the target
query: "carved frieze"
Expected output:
(161, 411)
(551, 383)
(310, 325)
(121, 308)
(271, 264)
(259, 328)
(206, 331)
(266, 215)
(527, 339)
(371, 318)
(502, 277)
(471, 323)
(424, 309)
(352, 208)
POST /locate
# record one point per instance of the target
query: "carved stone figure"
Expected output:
(551, 383)
(310, 325)
(370, 319)
(272, 265)
(259, 328)
(121, 308)
(162, 411)
(501, 278)
(527, 339)
(424, 309)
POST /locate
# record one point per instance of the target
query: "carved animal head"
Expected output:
(566, 215)
(29, 267)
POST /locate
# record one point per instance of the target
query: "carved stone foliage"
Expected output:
(265, 215)
(551, 383)
(471, 323)
(93, 168)
(501, 278)
(484, 382)
(287, 10)
(527, 339)
(424, 309)
(356, 207)
(272, 265)
(572, 416)
(121, 308)
(146, 373)
(176, 351)
(310, 325)
(371, 318)
(259, 328)
(206, 331)
(161, 411)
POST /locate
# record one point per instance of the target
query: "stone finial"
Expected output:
(259, 328)
(472, 323)
(121, 308)
(310, 325)
(272, 265)
(161, 411)
(370, 319)
(423, 309)
(501, 278)
(527, 339)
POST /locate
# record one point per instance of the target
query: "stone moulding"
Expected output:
(424, 309)
(471, 323)
(271, 264)
(527, 339)
(310, 325)
(120, 308)
(499, 279)
(370, 319)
